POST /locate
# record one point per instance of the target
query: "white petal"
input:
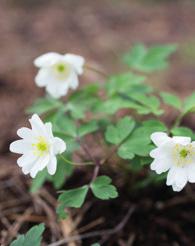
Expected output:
(76, 61)
(59, 146)
(48, 127)
(47, 59)
(159, 138)
(73, 81)
(25, 132)
(52, 166)
(26, 159)
(177, 177)
(37, 125)
(43, 77)
(177, 188)
(182, 140)
(164, 149)
(56, 90)
(19, 146)
(27, 166)
(40, 164)
(191, 173)
(161, 165)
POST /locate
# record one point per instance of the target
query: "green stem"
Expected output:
(76, 164)
(178, 120)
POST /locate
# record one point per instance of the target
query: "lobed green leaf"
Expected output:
(102, 188)
(116, 134)
(149, 60)
(71, 199)
(171, 100)
(32, 237)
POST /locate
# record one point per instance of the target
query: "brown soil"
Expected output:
(100, 31)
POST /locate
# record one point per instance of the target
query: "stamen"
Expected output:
(183, 155)
(62, 70)
(41, 146)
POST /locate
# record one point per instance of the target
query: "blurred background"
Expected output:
(100, 31)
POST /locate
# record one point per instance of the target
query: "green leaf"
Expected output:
(171, 100)
(116, 134)
(112, 105)
(154, 125)
(182, 131)
(139, 142)
(189, 104)
(19, 241)
(126, 83)
(149, 60)
(71, 199)
(63, 123)
(135, 146)
(102, 188)
(87, 128)
(135, 56)
(43, 105)
(83, 101)
(148, 104)
(32, 237)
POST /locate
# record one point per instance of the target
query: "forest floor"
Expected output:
(100, 31)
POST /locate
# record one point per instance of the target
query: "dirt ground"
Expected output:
(99, 30)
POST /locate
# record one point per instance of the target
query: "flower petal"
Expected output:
(76, 61)
(182, 140)
(73, 80)
(40, 164)
(37, 125)
(28, 165)
(48, 127)
(57, 88)
(161, 165)
(176, 188)
(43, 77)
(59, 146)
(26, 159)
(19, 146)
(25, 133)
(159, 138)
(177, 177)
(52, 166)
(47, 59)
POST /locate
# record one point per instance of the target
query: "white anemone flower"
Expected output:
(175, 155)
(58, 73)
(38, 147)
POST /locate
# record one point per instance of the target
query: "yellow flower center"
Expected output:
(183, 155)
(41, 146)
(62, 70)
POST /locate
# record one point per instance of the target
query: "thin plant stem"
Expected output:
(76, 164)
(95, 162)
(178, 120)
